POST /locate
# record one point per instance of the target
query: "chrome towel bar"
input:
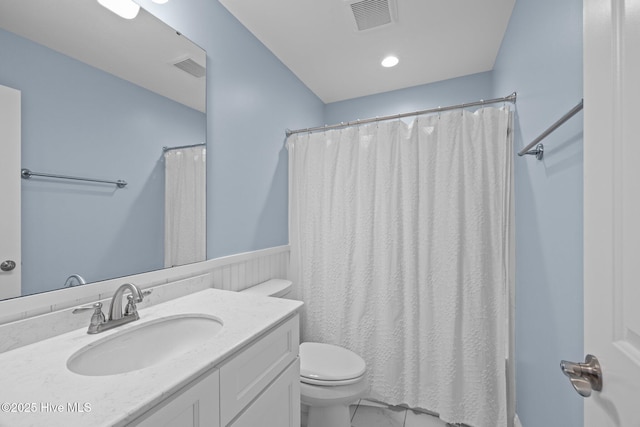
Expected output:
(26, 174)
(539, 150)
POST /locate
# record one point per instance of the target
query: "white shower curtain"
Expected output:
(400, 249)
(185, 206)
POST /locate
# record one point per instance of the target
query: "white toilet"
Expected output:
(331, 377)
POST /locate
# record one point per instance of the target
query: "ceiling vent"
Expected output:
(192, 67)
(370, 14)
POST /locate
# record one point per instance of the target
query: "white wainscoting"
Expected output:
(32, 318)
(246, 271)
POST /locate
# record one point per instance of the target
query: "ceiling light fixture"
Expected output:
(160, 1)
(126, 9)
(389, 61)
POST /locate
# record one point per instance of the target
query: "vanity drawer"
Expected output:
(244, 376)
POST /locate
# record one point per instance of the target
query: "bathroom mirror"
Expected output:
(101, 96)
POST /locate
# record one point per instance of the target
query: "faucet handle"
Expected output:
(97, 307)
(131, 309)
(97, 318)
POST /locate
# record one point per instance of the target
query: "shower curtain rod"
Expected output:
(165, 148)
(510, 98)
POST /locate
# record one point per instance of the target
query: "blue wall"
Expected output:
(80, 121)
(540, 59)
(251, 99)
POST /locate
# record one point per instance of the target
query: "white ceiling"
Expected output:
(142, 50)
(434, 40)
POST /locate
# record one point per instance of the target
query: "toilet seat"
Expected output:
(329, 383)
(329, 365)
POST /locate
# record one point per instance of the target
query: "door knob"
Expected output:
(7, 265)
(584, 377)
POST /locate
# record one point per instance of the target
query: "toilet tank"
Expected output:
(278, 288)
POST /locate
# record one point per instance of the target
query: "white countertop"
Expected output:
(36, 378)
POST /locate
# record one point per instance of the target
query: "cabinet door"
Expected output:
(278, 405)
(196, 406)
(244, 377)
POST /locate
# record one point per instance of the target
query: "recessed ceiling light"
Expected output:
(126, 9)
(390, 61)
(160, 1)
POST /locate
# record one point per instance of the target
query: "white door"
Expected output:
(612, 208)
(10, 270)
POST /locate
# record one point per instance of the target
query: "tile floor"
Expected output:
(366, 415)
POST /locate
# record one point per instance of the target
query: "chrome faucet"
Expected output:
(116, 316)
(115, 309)
(74, 280)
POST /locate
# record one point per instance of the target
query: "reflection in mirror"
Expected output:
(101, 97)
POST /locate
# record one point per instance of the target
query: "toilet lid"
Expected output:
(327, 362)
(270, 288)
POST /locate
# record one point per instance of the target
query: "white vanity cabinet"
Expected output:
(246, 374)
(257, 386)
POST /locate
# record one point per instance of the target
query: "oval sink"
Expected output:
(143, 346)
